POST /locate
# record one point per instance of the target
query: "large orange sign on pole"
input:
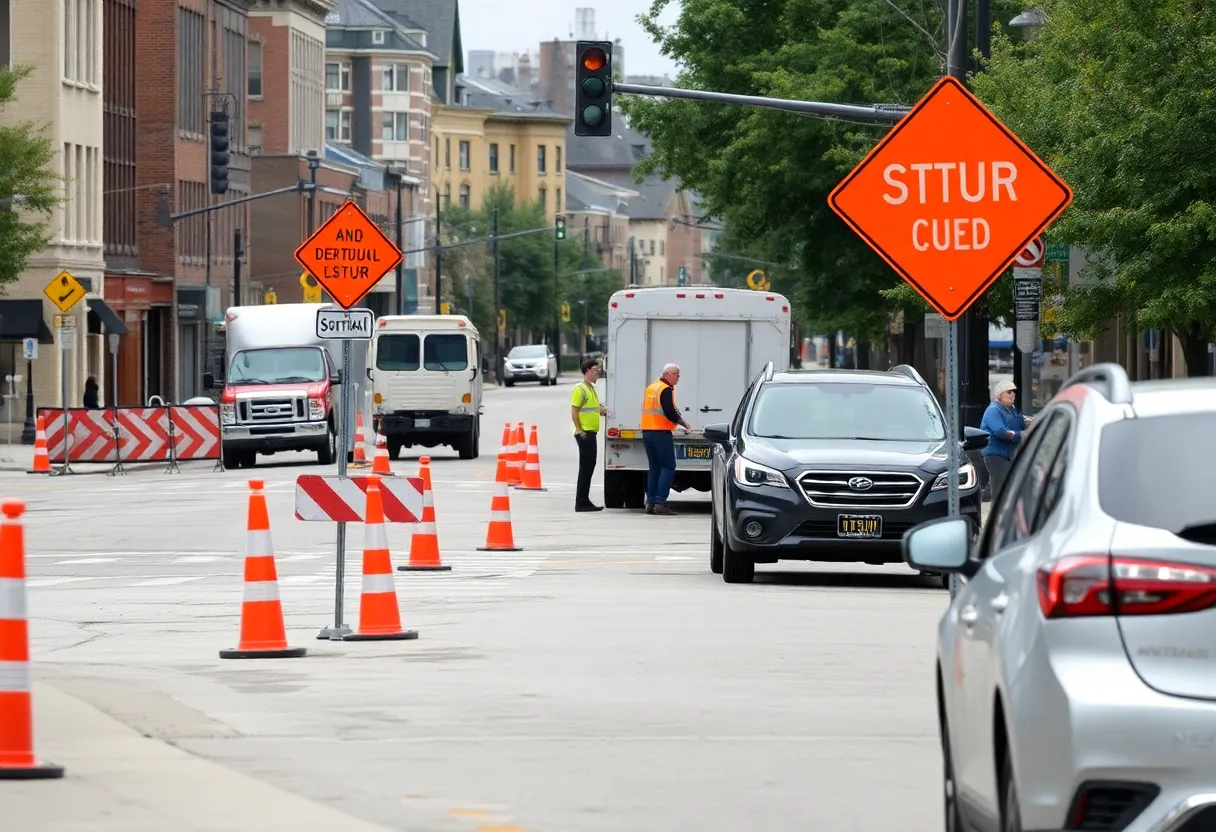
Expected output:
(348, 255)
(950, 197)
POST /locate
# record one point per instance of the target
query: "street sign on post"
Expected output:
(345, 324)
(949, 199)
(347, 255)
(64, 291)
(1031, 257)
(29, 348)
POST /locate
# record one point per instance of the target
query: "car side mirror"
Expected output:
(208, 381)
(974, 439)
(719, 432)
(941, 545)
(369, 374)
(335, 377)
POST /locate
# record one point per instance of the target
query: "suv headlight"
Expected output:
(752, 473)
(316, 410)
(227, 414)
(966, 478)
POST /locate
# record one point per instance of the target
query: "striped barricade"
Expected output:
(335, 499)
(122, 435)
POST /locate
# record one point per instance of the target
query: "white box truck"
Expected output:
(282, 385)
(721, 338)
(427, 382)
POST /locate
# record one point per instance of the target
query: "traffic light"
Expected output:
(593, 89)
(565, 313)
(445, 308)
(219, 153)
(502, 320)
(559, 229)
(683, 277)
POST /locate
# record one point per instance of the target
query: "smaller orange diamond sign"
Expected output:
(950, 197)
(348, 255)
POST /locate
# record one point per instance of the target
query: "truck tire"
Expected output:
(614, 489)
(329, 453)
(232, 460)
(635, 492)
(467, 446)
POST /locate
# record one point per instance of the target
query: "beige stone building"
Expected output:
(62, 42)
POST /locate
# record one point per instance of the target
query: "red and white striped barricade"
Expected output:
(177, 433)
(335, 499)
(194, 431)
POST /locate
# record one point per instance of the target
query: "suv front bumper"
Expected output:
(793, 529)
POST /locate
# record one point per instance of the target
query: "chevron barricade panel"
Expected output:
(92, 433)
(196, 431)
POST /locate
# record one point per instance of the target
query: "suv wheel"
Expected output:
(715, 546)
(737, 567)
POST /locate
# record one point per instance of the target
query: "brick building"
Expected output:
(287, 76)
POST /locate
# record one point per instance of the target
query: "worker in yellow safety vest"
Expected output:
(660, 417)
(585, 412)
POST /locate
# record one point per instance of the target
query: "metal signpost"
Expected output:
(347, 256)
(65, 291)
(1027, 310)
(950, 218)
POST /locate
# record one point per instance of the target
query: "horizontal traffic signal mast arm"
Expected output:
(548, 229)
(882, 113)
(299, 187)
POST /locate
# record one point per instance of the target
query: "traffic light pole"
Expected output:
(438, 253)
(878, 113)
(494, 239)
(557, 307)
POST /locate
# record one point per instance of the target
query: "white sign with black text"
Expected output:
(345, 325)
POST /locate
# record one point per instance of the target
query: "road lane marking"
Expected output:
(195, 559)
(170, 581)
(37, 583)
(77, 561)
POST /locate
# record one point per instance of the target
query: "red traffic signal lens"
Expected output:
(594, 60)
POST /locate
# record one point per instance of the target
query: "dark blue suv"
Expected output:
(830, 465)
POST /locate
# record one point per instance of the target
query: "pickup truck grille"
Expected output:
(256, 411)
(832, 489)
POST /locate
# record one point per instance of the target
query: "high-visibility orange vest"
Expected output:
(652, 411)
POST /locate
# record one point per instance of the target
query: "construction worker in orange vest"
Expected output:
(660, 417)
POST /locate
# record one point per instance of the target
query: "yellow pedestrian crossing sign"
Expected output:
(64, 291)
(758, 281)
(312, 289)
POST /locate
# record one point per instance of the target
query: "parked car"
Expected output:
(534, 362)
(830, 465)
(1075, 682)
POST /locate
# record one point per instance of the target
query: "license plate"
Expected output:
(422, 423)
(858, 525)
(698, 452)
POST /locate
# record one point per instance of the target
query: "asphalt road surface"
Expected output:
(600, 680)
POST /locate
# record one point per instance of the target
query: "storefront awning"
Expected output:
(113, 323)
(20, 319)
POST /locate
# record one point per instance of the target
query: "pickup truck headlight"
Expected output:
(753, 474)
(227, 414)
(966, 478)
(316, 410)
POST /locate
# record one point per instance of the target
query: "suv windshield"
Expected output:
(1150, 474)
(529, 352)
(835, 410)
(279, 365)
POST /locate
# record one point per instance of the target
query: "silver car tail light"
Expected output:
(1096, 585)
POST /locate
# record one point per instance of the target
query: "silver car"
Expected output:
(1076, 666)
(533, 362)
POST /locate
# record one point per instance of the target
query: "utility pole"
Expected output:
(400, 278)
(238, 252)
(439, 252)
(498, 368)
(557, 311)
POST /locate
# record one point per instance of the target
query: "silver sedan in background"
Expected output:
(534, 362)
(1076, 666)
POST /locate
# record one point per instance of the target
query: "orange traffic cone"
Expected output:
(515, 463)
(262, 632)
(17, 760)
(379, 616)
(424, 546)
(499, 536)
(531, 480)
(504, 452)
(380, 462)
(360, 458)
(42, 460)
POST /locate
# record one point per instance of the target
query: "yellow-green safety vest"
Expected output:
(587, 401)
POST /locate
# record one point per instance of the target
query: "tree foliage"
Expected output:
(1116, 96)
(529, 289)
(29, 189)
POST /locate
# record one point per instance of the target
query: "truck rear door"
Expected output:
(713, 358)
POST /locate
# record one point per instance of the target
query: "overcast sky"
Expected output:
(520, 26)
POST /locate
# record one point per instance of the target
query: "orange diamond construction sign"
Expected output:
(348, 255)
(949, 198)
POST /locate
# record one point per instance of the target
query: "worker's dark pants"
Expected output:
(586, 467)
(998, 470)
(661, 454)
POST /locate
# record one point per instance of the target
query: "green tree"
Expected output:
(1116, 96)
(29, 190)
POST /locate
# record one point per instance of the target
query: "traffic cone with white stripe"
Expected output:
(380, 463)
(532, 480)
(424, 545)
(499, 534)
(515, 464)
(17, 760)
(504, 451)
(42, 459)
(360, 457)
(379, 615)
(263, 635)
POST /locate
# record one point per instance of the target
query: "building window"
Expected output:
(378, 37)
(396, 78)
(511, 161)
(337, 77)
(255, 69)
(494, 157)
(557, 201)
(394, 127)
(307, 93)
(80, 47)
(255, 140)
(662, 248)
(464, 196)
(652, 248)
(235, 69)
(191, 36)
(447, 153)
(542, 198)
(120, 128)
(447, 195)
(337, 125)
(464, 155)
(436, 153)
(540, 158)
(557, 159)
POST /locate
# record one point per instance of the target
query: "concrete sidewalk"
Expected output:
(121, 781)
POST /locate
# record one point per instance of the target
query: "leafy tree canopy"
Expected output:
(1116, 96)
